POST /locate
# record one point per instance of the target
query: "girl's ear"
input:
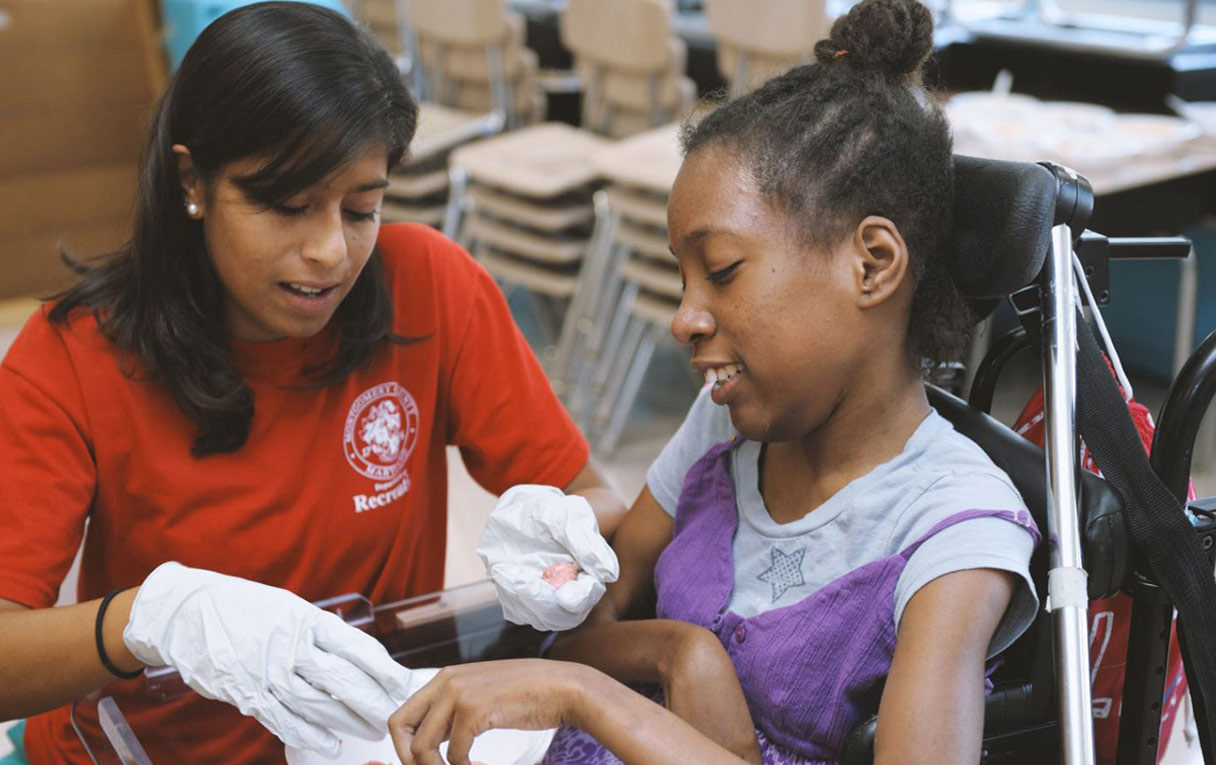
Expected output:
(881, 260)
(192, 185)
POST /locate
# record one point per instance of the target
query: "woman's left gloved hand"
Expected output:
(531, 528)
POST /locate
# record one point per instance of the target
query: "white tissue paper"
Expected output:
(494, 747)
(531, 528)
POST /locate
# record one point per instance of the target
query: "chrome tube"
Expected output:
(1067, 596)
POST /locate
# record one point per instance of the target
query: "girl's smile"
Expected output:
(724, 377)
(764, 313)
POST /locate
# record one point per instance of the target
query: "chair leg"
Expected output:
(549, 312)
(637, 371)
(607, 298)
(577, 323)
(589, 408)
(610, 357)
(454, 215)
(601, 354)
(608, 302)
(594, 325)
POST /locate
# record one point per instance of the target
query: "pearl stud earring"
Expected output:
(192, 209)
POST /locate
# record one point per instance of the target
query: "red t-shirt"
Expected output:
(336, 490)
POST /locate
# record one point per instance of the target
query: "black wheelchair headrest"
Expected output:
(1003, 215)
(1107, 542)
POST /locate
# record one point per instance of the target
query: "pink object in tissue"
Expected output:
(560, 573)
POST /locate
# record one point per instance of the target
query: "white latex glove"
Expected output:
(302, 672)
(531, 528)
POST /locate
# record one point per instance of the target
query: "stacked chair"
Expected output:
(474, 58)
(418, 189)
(630, 289)
(473, 75)
(380, 18)
(523, 202)
(760, 39)
(630, 63)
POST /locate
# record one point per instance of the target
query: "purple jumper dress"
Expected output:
(810, 671)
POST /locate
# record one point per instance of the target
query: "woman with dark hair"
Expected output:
(259, 385)
(816, 543)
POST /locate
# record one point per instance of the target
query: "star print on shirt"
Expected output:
(786, 571)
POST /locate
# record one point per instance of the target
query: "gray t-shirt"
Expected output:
(939, 473)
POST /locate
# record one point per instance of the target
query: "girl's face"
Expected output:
(286, 268)
(773, 320)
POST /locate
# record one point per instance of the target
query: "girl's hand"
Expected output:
(701, 687)
(464, 701)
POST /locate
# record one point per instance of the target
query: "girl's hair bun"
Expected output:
(891, 37)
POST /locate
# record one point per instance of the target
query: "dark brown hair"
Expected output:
(293, 83)
(855, 135)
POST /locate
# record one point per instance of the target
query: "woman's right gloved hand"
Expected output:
(530, 528)
(302, 672)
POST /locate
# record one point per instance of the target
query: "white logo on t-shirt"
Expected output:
(381, 431)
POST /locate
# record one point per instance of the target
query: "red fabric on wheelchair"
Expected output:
(1110, 618)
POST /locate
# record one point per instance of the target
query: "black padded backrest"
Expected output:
(1003, 213)
(1107, 544)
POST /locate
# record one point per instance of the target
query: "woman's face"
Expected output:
(285, 268)
(773, 320)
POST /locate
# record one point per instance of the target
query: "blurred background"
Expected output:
(548, 143)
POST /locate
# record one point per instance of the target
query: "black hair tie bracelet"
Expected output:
(101, 646)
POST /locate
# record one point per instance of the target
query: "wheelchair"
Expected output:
(1020, 233)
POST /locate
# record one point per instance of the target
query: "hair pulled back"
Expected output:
(852, 136)
(305, 91)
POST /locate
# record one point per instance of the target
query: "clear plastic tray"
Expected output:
(453, 626)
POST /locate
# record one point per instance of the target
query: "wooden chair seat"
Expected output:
(405, 186)
(643, 241)
(653, 277)
(394, 212)
(540, 161)
(441, 128)
(551, 249)
(638, 205)
(531, 276)
(648, 160)
(655, 309)
(552, 216)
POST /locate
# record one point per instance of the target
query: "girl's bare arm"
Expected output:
(932, 708)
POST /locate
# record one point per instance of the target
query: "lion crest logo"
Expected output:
(381, 431)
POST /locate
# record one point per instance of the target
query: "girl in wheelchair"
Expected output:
(815, 541)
